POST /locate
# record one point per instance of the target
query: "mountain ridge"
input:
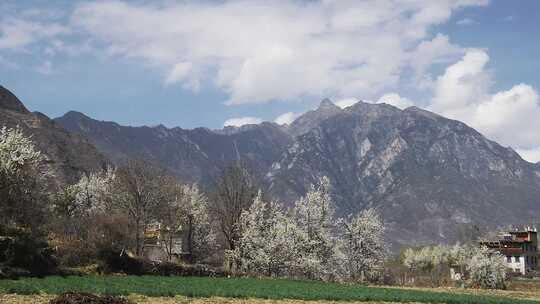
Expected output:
(433, 179)
(68, 155)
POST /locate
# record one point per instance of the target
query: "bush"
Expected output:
(74, 253)
(13, 273)
(113, 261)
(197, 270)
(23, 254)
(87, 298)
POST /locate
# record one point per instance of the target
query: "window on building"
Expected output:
(516, 259)
(508, 259)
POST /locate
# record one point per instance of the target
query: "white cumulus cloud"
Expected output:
(462, 86)
(286, 118)
(17, 33)
(438, 50)
(240, 121)
(510, 117)
(466, 21)
(532, 155)
(395, 100)
(259, 51)
(346, 102)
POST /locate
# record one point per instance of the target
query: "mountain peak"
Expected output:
(75, 115)
(312, 119)
(327, 104)
(10, 102)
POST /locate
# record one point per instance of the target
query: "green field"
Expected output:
(235, 288)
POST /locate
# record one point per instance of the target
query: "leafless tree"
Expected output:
(138, 191)
(235, 191)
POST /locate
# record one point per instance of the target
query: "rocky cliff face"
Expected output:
(68, 155)
(433, 179)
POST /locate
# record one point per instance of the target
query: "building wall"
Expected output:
(518, 266)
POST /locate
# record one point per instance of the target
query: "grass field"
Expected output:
(191, 287)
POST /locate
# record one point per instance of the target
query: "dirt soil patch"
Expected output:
(137, 299)
(87, 298)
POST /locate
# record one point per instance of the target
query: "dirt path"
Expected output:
(44, 299)
(513, 294)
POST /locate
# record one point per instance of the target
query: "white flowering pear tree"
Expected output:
(22, 179)
(429, 260)
(314, 216)
(487, 268)
(267, 241)
(425, 259)
(201, 237)
(93, 191)
(77, 204)
(362, 243)
(458, 256)
(184, 217)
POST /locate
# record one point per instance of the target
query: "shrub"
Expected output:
(74, 253)
(119, 261)
(13, 273)
(113, 261)
(24, 254)
(197, 270)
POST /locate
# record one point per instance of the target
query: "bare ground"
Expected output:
(44, 299)
(533, 294)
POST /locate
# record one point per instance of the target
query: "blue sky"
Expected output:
(202, 63)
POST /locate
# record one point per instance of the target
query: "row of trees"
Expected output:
(308, 240)
(486, 268)
(112, 210)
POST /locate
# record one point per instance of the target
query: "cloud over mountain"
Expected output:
(510, 117)
(258, 52)
(240, 121)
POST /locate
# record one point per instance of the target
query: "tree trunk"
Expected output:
(138, 237)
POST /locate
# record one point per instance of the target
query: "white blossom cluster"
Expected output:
(362, 243)
(18, 155)
(194, 218)
(92, 192)
(184, 210)
(308, 241)
(22, 180)
(486, 268)
(429, 258)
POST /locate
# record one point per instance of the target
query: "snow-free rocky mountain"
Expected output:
(68, 155)
(433, 179)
